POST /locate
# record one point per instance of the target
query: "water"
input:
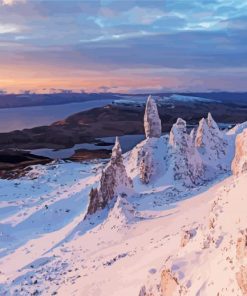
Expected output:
(28, 117)
(127, 143)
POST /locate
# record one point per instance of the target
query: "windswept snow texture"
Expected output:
(164, 234)
(212, 260)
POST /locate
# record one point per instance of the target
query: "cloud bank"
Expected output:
(123, 45)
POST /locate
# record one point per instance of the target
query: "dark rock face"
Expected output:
(15, 163)
(85, 154)
(95, 201)
(146, 167)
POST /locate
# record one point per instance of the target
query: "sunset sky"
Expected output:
(123, 45)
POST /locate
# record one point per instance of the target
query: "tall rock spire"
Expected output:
(116, 155)
(202, 135)
(152, 123)
(186, 163)
(209, 138)
(211, 123)
(113, 182)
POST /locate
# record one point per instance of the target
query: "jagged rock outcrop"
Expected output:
(144, 159)
(113, 182)
(152, 126)
(169, 284)
(146, 167)
(239, 163)
(152, 123)
(95, 201)
(209, 139)
(241, 247)
(241, 256)
(147, 161)
(203, 136)
(186, 162)
(241, 277)
(187, 235)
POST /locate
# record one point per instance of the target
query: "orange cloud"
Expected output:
(39, 77)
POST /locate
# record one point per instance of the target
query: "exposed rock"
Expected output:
(211, 222)
(152, 123)
(241, 278)
(187, 164)
(241, 248)
(144, 159)
(169, 284)
(209, 139)
(147, 160)
(113, 182)
(239, 164)
(241, 256)
(145, 292)
(86, 154)
(187, 235)
(95, 201)
(146, 167)
(16, 163)
(207, 241)
(202, 134)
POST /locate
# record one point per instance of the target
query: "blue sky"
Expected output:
(123, 45)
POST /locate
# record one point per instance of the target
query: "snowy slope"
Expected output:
(118, 256)
(166, 234)
(41, 207)
(212, 260)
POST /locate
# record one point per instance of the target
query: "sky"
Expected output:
(129, 46)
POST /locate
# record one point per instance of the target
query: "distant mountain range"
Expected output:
(26, 100)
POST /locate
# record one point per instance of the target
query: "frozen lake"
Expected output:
(127, 143)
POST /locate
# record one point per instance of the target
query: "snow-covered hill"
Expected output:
(211, 254)
(177, 227)
(182, 98)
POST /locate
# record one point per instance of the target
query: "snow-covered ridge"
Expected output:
(174, 97)
(166, 218)
(186, 159)
(191, 99)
